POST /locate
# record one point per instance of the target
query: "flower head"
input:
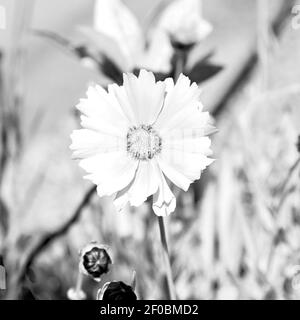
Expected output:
(184, 23)
(116, 291)
(95, 260)
(135, 135)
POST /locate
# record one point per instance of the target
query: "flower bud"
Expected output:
(180, 46)
(76, 294)
(116, 291)
(184, 22)
(95, 260)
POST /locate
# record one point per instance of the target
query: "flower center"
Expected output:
(143, 142)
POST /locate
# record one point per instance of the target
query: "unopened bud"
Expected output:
(95, 260)
(116, 291)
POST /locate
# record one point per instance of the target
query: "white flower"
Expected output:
(183, 21)
(137, 134)
(114, 20)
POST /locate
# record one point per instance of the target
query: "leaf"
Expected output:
(111, 70)
(203, 70)
(114, 20)
(159, 76)
(101, 60)
(57, 39)
(103, 44)
(80, 51)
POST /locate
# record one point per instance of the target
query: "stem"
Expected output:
(168, 270)
(284, 194)
(133, 280)
(286, 182)
(263, 40)
(79, 283)
(77, 293)
(179, 65)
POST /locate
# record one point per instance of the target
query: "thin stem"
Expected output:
(168, 270)
(263, 40)
(284, 193)
(180, 63)
(133, 280)
(79, 283)
(77, 293)
(285, 184)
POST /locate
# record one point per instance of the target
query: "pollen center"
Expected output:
(143, 142)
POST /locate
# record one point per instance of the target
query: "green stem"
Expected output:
(165, 251)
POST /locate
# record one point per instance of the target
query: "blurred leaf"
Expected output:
(158, 75)
(55, 38)
(200, 72)
(111, 70)
(103, 44)
(4, 217)
(161, 76)
(26, 294)
(23, 241)
(80, 51)
(31, 275)
(203, 70)
(101, 60)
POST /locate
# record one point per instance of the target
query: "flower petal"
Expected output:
(118, 93)
(183, 160)
(111, 171)
(145, 96)
(113, 19)
(180, 98)
(174, 175)
(87, 143)
(159, 53)
(101, 112)
(145, 183)
(164, 201)
(121, 198)
(183, 21)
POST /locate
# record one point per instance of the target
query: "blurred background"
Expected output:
(234, 235)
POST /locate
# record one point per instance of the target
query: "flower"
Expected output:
(116, 22)
(175, 25)
(183, 21)
(95, 260)
(135, 135)
(116, 291)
